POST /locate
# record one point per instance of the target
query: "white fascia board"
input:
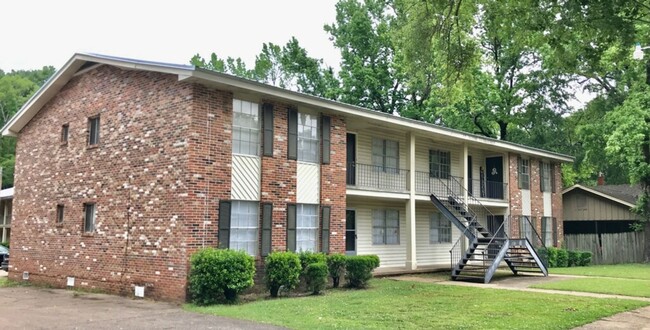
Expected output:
(598, 193)
(200, 75)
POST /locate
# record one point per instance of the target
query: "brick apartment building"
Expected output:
(124, 168)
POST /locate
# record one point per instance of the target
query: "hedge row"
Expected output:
(559, 257)
(221, 275)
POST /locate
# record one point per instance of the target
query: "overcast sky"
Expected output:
(35, 33)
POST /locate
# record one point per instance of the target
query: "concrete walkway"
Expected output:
(636, 319)
(39, 308)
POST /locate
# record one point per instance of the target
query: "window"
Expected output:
(524, 173)
(439, 164)
(545, 176)
(306, 227)
(59, 213)
(93, 131)
(89, 217)
(439, 229)
(244, 219)
(385, 155)
(64, 133)
(308, 143)
(547, 231)
(385, 227)
(246, 128)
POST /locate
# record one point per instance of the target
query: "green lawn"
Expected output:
(390, 304)
(626, 287)
(638, 271)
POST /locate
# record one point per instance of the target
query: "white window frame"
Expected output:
(547, 230)
(545, 177)
(439, 229)
(94, 125)
(524, 172)
(244, 226)
(246, 121)
(439, 164)
(307, 227)
(308, 138)
(90, 218)
(383, 232)
(386, 159)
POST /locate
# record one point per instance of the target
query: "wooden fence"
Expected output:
(616, 248)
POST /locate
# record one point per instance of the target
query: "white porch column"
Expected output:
(465, 170)
(411, 256)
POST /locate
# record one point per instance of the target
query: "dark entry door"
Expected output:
(470, 180)
(350, 232)
(494, 176)
(351, 142)
(494, 225)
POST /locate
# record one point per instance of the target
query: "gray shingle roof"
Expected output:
(625, 192)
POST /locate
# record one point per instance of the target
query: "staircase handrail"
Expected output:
(537, 238)
(475, 202)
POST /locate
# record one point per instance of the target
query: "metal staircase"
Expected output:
(483, 246)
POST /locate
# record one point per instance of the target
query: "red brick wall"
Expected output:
(333, 189)
(278, 185)
(137, 177)
(536, 195)
(514, 193)
(556, 204)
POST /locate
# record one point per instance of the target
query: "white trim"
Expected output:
(376, 194)
(595, 192)
(92, 67)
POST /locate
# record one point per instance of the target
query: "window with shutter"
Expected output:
(267, 121)
(244, 219)
(224, 224)
(327, 123)
(245, 128)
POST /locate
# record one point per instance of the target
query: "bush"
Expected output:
(336, 267)
(216, 274)
(307, 258)
(585, 258)
(316, 275)
(5, 244)
(574, 258)
(562, 258)
(359, 270)
(282, 270)
(552, 256)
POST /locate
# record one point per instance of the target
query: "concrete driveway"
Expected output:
(38, 308)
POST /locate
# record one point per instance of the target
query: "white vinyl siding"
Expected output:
(308, 183)
(246, 177)
(392, 255)
(428, 253)
(308, 142)
(385, 226)
(306, 227)
(246, 128)
(439, 229)
(244, 220)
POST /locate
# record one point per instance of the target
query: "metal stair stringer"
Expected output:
(454, 219)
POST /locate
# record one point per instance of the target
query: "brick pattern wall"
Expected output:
(536, 195)
(514, 193)
(136, 176)
(556, 205)
(278, 184)
(333, 188)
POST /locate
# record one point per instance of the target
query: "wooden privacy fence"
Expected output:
(613, 248)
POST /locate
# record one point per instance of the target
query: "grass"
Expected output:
(6, 283)
(637, 271)
(625, 287)
(390, 304)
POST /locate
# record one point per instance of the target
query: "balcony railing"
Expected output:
(488, 189)
(427, 184)
(375, 177)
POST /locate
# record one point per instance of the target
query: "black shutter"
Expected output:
(325, 239)
(519, 176)
(544, 233)
(291, 228)
(224, 224)
(267, 217)
(267, 117)
(292, 143)
(327, 127)
(552, 177)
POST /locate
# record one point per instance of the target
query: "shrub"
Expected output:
(316, 275)
(5, 244)
(282, 270)
(552, 256)
(585, 258)
(562, 258)
(359, 270)
(216, 274)
(307, 258)
(336, 267)
(543, 254)
(574, 258)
